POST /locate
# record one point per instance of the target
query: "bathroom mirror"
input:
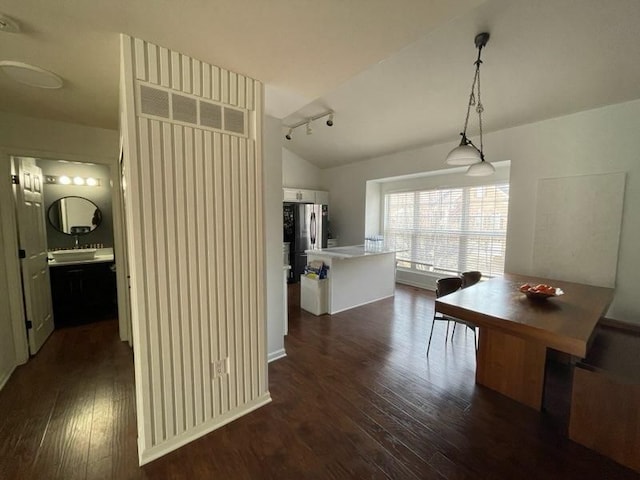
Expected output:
(74, 215)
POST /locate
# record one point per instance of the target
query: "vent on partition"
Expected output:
(154, 102)
(234, 120)
(210, 115)
(185, 109)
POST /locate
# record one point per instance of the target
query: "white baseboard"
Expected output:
(276, 355)
(416, 279)
(153, 453)
(6, 376)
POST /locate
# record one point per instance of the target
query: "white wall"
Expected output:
(597, 141)
(8, 357)
(45, 138)
(297, 172)
(272, 158)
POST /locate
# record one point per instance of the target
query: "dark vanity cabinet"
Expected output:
(83, 293)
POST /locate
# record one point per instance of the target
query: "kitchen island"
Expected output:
(356, 276)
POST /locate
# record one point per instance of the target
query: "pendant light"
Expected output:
(467, 153)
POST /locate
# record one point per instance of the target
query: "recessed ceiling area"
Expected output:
(397, 74)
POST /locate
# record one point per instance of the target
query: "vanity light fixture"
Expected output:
(307, 123)
(76, 180)
(467, 153)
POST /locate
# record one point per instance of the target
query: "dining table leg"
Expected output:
(512, 366)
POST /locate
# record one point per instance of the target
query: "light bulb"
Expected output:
(78, 181)
(92, 182)
(64, 180)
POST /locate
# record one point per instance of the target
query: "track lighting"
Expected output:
(307, 123)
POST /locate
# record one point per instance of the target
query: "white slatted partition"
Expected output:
(195, 243)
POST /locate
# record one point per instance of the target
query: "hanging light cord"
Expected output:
(472, 101)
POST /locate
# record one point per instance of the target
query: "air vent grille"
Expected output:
(154, 101)
(210, 115)
(234, 120)
(190, 109)
(185, 109)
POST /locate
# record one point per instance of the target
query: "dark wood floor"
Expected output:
(355, 398)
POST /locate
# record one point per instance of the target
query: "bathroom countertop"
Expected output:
(103, 255)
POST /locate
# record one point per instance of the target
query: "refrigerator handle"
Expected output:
(312, 229)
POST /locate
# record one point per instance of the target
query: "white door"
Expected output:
(33, 241)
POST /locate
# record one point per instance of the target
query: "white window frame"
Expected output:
(422, 267)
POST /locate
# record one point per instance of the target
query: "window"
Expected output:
(449, 230)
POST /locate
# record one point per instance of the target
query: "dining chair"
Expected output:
(468, 279)
(444, 286)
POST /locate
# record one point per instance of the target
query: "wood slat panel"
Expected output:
(233, 88)
(180, 147)
(165, 69)
(176, 71)
(152, 64)
(220, 264)
(224, 85)
(196, 250)
(229, 253)
(186, 74)
(140, 62)
(172, 156)
(215, 83)
(212, 297)
(206, 80)
(196, 77)
(149, 282)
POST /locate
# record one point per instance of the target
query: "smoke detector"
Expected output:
(8, 25)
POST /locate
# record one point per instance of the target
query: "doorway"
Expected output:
(118, 297)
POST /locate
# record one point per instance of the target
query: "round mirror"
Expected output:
(74, 215)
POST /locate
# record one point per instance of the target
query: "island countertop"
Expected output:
(351, 251)
(356, 276)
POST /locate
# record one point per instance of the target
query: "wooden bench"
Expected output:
(605, 401)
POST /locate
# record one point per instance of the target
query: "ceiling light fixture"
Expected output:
(467, 153)
(30, 74)
(8, 25)
(307, 123)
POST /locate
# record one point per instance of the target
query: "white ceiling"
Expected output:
(396, 73)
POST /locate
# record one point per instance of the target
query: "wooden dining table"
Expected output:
(515, 331)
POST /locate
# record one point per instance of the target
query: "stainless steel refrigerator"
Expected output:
(305, 228)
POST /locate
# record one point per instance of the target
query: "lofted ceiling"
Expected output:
(396, 73)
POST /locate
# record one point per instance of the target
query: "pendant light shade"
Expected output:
(463, 155)
(481, 169)
(467, 153)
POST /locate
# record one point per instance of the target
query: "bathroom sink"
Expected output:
(75, 255)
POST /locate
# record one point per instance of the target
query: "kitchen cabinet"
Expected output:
(299, 195)
(322, 197)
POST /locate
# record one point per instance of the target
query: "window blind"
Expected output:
(449, 230)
